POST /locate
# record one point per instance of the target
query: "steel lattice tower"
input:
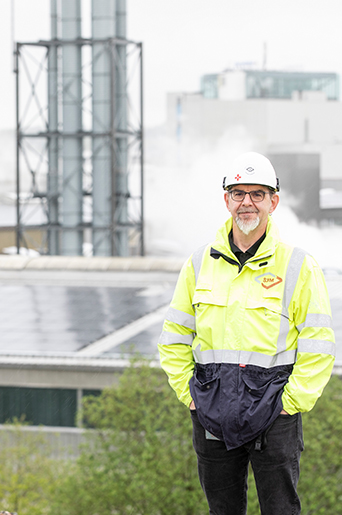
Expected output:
(80, 135)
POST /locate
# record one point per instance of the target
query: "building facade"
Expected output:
(293, 117)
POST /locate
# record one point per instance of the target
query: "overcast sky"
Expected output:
(184, 39)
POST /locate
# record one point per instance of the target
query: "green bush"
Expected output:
(140, 461)
(28, 476)
(320, 483)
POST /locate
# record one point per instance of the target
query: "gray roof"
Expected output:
(93, 313)
(82, 312)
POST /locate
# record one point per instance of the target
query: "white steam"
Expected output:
(324, 244)
(184, 204)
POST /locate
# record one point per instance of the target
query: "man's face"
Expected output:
(248, 215)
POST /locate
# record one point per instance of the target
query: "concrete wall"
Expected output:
(64, 442)
(331, 163)
(40, 377)
(300, 182)
(271, 122)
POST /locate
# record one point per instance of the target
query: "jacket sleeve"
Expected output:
(175, 342)
(316, 343)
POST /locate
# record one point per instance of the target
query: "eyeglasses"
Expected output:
(255, 195)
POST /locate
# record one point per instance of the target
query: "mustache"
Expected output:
(247, 211)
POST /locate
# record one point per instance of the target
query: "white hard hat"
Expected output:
(251, 168)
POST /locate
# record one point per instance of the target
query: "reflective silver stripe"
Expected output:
(197, 260)
(167, 338)
(316, 346)
(292, 274)
(181, 318)
(244, 357)
(283, 332)
(316, 320)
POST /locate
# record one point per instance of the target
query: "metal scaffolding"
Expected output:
(80, 142)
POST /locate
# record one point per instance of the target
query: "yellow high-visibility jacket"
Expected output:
(248, 340)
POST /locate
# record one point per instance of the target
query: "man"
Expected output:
(247, 344)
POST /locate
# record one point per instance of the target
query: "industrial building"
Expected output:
(293, 117)
(70, 325)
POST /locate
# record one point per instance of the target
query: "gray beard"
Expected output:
(246, 226)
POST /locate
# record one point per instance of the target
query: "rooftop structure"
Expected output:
(248, 84)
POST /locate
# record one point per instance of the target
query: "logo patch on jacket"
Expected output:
(268, 280)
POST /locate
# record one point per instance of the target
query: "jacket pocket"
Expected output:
(267, 308)
(205, 391)
(209, 296)
(260, 399)
(269, 321)
(266, 385)
(255, 387)
(210, 312)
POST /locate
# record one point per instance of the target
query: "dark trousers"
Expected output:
(223, 474)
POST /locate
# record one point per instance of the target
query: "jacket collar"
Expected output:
(266, 249)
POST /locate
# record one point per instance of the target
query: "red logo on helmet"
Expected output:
(238, 177)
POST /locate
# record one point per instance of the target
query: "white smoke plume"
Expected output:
(184, 203)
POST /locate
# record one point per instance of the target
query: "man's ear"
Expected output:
(274, 202)
(226, 199)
